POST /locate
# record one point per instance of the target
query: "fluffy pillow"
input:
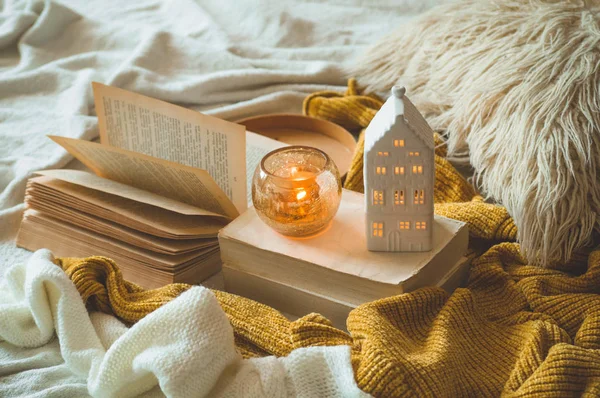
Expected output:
(515, 87)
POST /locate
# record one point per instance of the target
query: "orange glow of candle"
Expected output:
(301, 195)
(296, 190)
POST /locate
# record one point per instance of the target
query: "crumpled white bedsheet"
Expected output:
(230, 58)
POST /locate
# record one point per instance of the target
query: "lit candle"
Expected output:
(296, 190)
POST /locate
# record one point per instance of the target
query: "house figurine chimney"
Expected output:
(398, 91)
(399, 172)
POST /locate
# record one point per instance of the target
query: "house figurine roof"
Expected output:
(398, 106)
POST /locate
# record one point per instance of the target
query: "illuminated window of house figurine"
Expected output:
(400, 141)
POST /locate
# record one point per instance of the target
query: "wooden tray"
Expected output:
(292, 129)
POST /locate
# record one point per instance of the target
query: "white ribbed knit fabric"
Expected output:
(183, 349)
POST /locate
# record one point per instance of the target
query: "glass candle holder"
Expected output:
(296, 190)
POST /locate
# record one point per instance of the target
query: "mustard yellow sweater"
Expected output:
(515, 329)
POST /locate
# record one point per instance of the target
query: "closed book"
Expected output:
(295, 302)
(336, 263)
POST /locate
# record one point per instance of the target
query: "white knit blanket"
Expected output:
(226, 57)
(183, 349)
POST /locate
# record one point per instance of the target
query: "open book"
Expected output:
(165, 180)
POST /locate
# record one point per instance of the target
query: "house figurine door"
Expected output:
(394, 241)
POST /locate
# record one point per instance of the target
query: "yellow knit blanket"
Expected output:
(515, 329)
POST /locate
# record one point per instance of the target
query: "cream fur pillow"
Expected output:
(515, 86)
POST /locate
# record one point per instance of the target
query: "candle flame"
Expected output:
(301, 195)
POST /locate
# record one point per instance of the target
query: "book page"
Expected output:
(156, 128)
(172, 180)
(152, 259)
(257, 146)
(115, 230)
(97, 183)
(44, 191)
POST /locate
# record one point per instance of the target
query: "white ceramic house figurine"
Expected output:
(399, 177)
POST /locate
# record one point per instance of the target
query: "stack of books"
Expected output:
(333, 272)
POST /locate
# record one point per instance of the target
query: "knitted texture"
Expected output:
(96, 276)
(515, 329)
(102, 288)
(51, 346)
